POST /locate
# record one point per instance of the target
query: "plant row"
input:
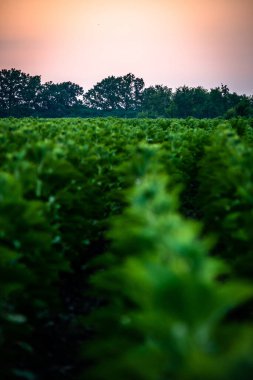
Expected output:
(125, 248)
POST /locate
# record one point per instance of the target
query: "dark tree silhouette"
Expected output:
(22, 95)
(18, 93)
(155, 101)
(58, 100)
(116, 94)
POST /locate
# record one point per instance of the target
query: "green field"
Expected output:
(126, 249)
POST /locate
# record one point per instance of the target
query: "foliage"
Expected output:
(116, 93)
(225, 195)
(99, 250)
(23, 95)
(124, 96)
(164, 306)
(58, 99)
(155, 101)
(18, 93)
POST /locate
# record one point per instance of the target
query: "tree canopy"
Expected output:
(18, 92)
(156, 100)
(22, 95)
(59, 99)
(116, 94)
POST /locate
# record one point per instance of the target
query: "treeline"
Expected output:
(24, 95)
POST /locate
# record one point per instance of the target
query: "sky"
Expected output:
(170, 42)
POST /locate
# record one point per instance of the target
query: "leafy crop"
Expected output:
(126, 249)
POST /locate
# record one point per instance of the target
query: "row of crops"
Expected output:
(126, 249)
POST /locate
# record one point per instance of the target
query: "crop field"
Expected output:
(126, 249)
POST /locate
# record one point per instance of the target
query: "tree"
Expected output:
(22, 95)
(242, 108)
(188, 101)
(116, 94)
(18, 93)
(221, 100)
(59, 99)
(155, 101)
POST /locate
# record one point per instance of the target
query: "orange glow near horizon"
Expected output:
(170, 42)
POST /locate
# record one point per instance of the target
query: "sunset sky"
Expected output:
(170, 42)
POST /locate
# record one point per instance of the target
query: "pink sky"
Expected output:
(170, 42)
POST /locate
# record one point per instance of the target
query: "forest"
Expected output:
(23, 95)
